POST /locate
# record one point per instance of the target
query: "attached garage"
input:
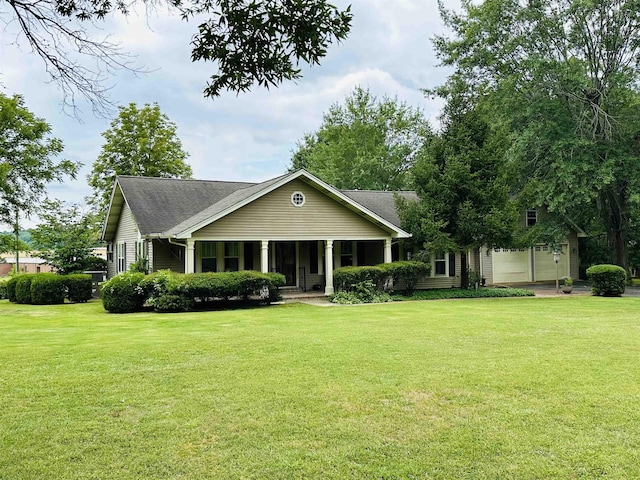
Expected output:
(528, 264)
(544, 267)
(511, 265)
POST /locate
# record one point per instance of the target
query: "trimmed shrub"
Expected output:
(168, 303)
(123, 293)
(161, 282)
(11, 289)
(204, 286)
(224, 285)
(48, 289)
(3, 288)
(449, 293)
(407, 272)
(275, 282)
(607, 280)
(347, 278)
(23, 288)
(167, 291)
(79, 287)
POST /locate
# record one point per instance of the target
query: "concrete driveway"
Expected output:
(580, 287)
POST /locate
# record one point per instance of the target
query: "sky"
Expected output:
(241, 137)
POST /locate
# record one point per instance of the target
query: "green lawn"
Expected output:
(492, 388)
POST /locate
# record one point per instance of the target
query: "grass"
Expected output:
(486, 388)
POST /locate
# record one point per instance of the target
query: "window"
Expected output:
(346, 254)
(141, 250)
(440, 264)
(231, 257)
(444, 264)
(110, 252)
(532, 218)
(297, 198)
(121, 257)
(208, 256)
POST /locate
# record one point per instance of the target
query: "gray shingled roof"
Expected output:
(233, 198)
(169, 206)
(161, 203)
(380, 202)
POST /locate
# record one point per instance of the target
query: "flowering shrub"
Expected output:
(123, 293)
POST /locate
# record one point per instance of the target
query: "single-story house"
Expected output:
(294, 224)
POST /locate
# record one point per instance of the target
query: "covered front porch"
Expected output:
(306, 264)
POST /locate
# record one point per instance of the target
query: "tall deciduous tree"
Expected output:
(250, 41)
(8, 243)
(27, 165)
(142, 142)
(66, 236)
(563, 75)
(365, 143)
(462, 183)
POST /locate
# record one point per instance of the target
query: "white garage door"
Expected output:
(544, 268)
(511, 265)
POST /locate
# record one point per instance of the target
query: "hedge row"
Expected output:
(167, 291)
(408, 272)
(48, 288)
(3, 287)
(449, 293)
(607, 280)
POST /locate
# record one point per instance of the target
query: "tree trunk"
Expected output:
(614, 213)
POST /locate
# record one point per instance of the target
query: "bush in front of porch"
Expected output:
(167, 291)
(366, 284)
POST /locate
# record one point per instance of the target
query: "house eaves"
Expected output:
(245, 196)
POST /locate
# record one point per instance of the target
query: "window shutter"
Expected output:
(452, 264)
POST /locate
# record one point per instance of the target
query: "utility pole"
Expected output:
(17, 239)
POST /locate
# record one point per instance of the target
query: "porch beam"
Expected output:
(190, 256)
(328, 267)
(264, 256)
(387, 250)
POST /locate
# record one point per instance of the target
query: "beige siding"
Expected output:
(573, 256)
(111, 264)
(434, 281)
(487, 265)
(274, 217)
(127, 232)
(167, 256)
(474, 260)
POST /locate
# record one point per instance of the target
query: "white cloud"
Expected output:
(248, 136)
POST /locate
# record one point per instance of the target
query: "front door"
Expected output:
(286, 261)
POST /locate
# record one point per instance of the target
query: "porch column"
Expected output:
(190, 256)
(264, 256)
(387, 250)
(328, 267)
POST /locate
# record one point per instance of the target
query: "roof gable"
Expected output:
(169, 207)
(158, 204)
(240, 199)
